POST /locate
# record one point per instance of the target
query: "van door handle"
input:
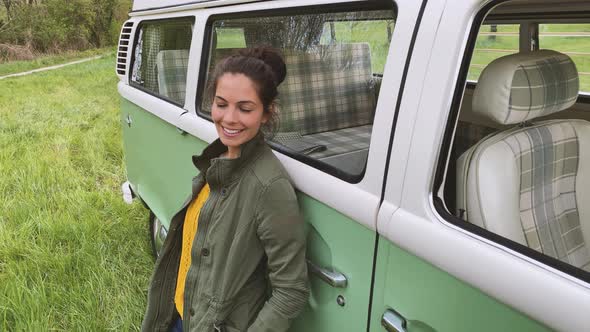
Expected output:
(333, 278)
(178, 129)
(393, 322)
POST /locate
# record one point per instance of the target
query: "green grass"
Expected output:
(230, 38)
(73, 256)
(564, 28)
(13, 67)
(372, 32)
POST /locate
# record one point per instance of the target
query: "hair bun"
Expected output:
(271, 57)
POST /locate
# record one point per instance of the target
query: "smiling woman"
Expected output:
(241, 225)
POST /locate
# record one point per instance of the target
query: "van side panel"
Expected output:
(336, 242)
(433, 300)
(158, 159)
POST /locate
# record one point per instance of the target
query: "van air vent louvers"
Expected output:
(124, 47)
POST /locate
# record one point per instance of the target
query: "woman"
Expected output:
(241, 230)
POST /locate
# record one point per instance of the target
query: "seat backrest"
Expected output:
(530, 183)
(171, 68)
(327, 88)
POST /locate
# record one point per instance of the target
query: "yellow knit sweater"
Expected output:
(189, 231)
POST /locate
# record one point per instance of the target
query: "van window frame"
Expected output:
(445, 153)
(132, 60)
(324, 9)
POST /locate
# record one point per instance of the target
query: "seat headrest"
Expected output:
(519, 87)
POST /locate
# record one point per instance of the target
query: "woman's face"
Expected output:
(237, 111)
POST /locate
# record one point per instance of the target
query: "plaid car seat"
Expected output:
(327, 104)
(171, 68)
(529, 183)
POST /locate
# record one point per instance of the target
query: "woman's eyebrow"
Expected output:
(241, 102)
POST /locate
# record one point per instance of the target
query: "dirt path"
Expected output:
(51, 67)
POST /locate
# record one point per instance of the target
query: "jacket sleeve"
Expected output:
(280, 230)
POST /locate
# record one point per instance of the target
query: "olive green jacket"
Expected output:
(250, 236)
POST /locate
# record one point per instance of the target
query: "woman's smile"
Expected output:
(231, 132)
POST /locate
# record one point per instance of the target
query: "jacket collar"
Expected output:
(222, 171)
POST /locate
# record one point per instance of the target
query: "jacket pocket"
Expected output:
(238, 318)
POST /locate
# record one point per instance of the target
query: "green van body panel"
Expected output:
(159, 166)
(433, 300)
(337, 242)
(158, 159)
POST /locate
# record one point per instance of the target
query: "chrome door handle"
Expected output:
(333, 278)
(393, 322)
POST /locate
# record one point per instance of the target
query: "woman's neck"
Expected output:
(231, 153)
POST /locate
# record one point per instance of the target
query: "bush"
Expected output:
(52, 26)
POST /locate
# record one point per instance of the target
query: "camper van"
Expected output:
(440, 149)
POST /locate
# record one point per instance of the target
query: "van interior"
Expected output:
(519, 160)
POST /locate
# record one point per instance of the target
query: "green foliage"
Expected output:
(73, 256)
(57, 25)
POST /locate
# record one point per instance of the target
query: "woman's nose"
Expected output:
(231, 115)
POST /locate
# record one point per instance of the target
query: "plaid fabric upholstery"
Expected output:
(547, 156)
(151, 44)
(519, 87)
(331, 142)
(327, 88)
(172, 66)
(154, 38)
(546, 86)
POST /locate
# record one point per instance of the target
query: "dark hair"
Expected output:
(265, 67)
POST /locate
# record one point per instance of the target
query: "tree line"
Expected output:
(52, 26)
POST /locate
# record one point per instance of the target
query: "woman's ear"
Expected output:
(266, 116)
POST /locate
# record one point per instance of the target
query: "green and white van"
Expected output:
(440, 149)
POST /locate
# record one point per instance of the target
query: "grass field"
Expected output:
(73, 256)
(50, 60)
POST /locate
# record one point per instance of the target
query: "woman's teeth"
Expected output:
(231, 131)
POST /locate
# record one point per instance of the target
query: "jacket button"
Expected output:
(205, 252)
(223, 192)
(191, 311)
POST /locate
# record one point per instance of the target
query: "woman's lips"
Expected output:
(231, 132)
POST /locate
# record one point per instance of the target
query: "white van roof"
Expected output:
(516, 6)
(140, 5)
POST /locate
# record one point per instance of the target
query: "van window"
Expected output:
(229, 37)
(493, 41)
(573, 40)
(160, 58)
(515, 158)
(334, 65)
(376, 32)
